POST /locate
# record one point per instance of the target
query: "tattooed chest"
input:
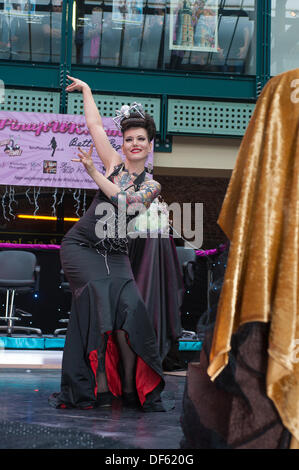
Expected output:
(124, 180)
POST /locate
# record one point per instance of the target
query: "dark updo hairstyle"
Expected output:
(135, 120)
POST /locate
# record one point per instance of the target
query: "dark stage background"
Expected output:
(50, 298)
(51, 304)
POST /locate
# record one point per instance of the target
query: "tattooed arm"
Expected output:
(149, 190)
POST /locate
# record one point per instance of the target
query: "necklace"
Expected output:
(124, 179)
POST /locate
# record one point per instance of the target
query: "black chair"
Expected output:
(187, 261)
(65, 286)
(19, 274)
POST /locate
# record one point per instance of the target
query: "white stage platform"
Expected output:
(30, 359)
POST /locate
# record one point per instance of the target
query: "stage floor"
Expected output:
(27, 378)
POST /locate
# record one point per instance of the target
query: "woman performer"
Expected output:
(111, 348)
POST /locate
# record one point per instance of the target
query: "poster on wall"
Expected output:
(21, 6)
(19, 12)
(193, 25)
(127, 11)
(36, 149)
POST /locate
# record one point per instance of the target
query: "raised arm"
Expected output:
(104, 149)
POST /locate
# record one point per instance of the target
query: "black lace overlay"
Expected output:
(104, 230)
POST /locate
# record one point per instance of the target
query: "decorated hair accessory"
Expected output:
(126, 111)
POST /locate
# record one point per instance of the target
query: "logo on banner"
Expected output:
(53, 145)
(50, 166)
(11, 148)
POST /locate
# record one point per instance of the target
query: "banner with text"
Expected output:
(36, 149)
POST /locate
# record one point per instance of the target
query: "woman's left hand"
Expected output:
(86, 159)
(76, 85)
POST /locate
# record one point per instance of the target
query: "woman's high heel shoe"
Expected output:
(104, 399)
(130, 400)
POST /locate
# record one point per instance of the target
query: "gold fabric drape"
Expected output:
(260, 216)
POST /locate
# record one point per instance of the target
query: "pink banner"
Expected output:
(36, 149)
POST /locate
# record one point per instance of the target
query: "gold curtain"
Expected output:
(260, 216)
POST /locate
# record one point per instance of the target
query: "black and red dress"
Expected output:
(105, 299)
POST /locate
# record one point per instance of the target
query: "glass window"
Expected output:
(185, 35)
(151, 46)
(30, 30)
(171, 35)
(111, 42)
(235, 47)
(284, 36)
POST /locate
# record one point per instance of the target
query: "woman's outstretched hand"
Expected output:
(76, 84)
(86, 159)
(109, 188)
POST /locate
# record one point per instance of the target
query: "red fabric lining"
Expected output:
(93, 359)
(146, 378)
(111, 365)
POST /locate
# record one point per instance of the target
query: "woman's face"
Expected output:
(136, 145)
